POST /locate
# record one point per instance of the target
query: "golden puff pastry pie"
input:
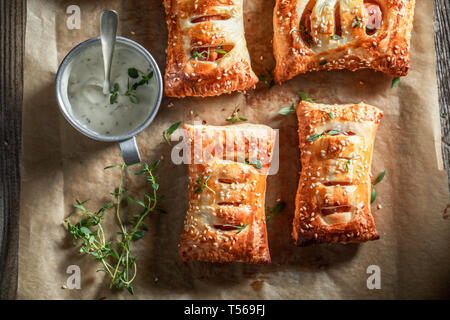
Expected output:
(207, 53)
(314, 35)
(225, 221)
(333, 196)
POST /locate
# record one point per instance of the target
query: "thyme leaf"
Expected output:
(276, 209)
(304, 96)
(288, 110)
(88, 231)
(168, 132)
(316, 136)
(395, 82)
(238, 228)
(235, 116)
(200, 185)
(373, 194)
(356, 22)
(267, 78)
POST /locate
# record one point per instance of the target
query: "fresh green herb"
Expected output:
(200, 185)
(168, 132)
(395, 82)
(356, 22)
(335, 37)
(267, 78)
(144, 80)
(239, 228)
(373, 194)
(134, 99)
(205, 54)
(316, 136)
(133, 73)
(323, 62)
(109, 167)
(444, 115)
(220, 50)
(131, 89)
(196, 54)
(275, 210)
(118, 263)
(255, 162)
(114, 94)
(235, 116)
(288, 110)
(304, 96)
(330, 115)
(333, 132)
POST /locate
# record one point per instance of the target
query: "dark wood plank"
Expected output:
(12, 23)
(442, 38)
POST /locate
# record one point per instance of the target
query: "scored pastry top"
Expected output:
(333, 197)
(342, 34)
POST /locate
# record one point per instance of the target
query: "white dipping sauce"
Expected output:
(92, 108)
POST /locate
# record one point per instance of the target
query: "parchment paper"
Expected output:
(60, 165)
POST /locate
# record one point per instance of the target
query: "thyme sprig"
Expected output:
(267, 78)
(255, 162)
(205, 54)
(118, 262)
(288, 110)
(304, 96)
(395, 82)
(200, 185)
(347, 164)
(316, 136)
(168, 132)
(356, 22)
(238, 228)
(133, 73)
(235, 117)
(275, 210)
(304, 32)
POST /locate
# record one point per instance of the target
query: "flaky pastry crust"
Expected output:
(333, 197)
(387, 50)
(187, 75)
(225, 221)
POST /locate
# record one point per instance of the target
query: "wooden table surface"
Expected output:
(12, 29)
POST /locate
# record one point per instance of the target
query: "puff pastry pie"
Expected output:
(207, 53)
(342, 34)
(333, 197)
(225, 220)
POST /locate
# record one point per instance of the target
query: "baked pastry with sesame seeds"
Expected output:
(207, 53)
(228, 166)
(312, 35)
(333, 196)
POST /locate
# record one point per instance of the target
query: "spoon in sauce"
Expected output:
(108, 32)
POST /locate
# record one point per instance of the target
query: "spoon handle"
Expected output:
(108, 32)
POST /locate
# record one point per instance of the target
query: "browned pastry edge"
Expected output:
(207, 244)
(387, 52)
